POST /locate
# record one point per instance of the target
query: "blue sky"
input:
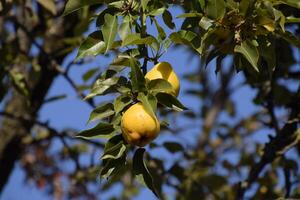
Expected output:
(73, 112)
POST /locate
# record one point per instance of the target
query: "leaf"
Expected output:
(144, 4)
(112, 166)
(136, 76)
(249, 51)
(19, 81)
(267, 52)
(189, 15)
(289, 37)
(292, 3)
(102, 111)
(205, 23)
(109, 30)
(160, 30)
(170, 101)
(135, 39)
(102, 130)
(140, 169)
(148, 104)
(49, 5)
(184, 37)
(103, 86)
(159, 85)
(73, 5)
(89, 74)
(216, 9)
(114, 148)
(167, 17)
(121, 102)
(157, 11)
(92, 46)
(173, 147)
(124, 29)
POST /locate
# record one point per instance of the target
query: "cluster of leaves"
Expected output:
(131, 41)
(246, 30)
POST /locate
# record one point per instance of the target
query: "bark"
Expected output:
(11, 130)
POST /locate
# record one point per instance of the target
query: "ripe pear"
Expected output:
(164, 70)
(138, 126)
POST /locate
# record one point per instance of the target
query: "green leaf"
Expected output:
(49, 5)
(189, 15)
(135, 39)
(140, 169)
(289, 37)
(249, 51)
(109, 30)
(112, 166)
(159, 85)
(104, 86)
(160, 30)
(136, 76)
(292, 3)
(103, 111)
(205, 23)
(173, 147)
(124, 29)
(156, 12)
(89, 74)
(167, 17)
(144, 4)
(170, 101)
(216, 9)
(183, 37)
(19, 81)
(102, 130)
(121, 102)
(92, 46)
(114, 148)
(73, 5)
(292, 20)
(149, 103)
(267, 52)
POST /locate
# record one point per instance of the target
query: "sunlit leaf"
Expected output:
(102, 130)
(109, 30)
(249, 51)
(215, 9)
(102, 111)
(73, 5)
(49, 5)
(170, 101)
(114, 148)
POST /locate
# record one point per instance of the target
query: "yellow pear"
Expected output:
(164, 70)
(138, 126)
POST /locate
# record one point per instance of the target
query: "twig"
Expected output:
(287, 179)
(287, 138)
(53, 132)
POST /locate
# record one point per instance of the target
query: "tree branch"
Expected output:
(288, 137)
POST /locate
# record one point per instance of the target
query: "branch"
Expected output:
(287, 137)
(53, 132)
(65, 74)
(287, 179)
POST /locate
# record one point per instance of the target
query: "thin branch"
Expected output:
(287, 138)
(287, 179)
(65, 74)
(73, 155)
(53, 132)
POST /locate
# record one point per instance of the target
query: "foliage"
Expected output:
(256, 36)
